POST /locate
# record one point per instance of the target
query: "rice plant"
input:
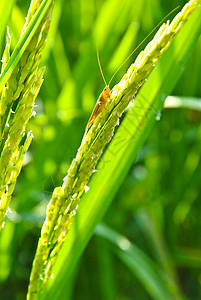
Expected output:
(61, 213)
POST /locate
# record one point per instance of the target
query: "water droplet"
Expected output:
(158, 115)
(163, 97)
(140, 172)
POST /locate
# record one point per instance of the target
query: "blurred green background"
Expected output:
(158, 206)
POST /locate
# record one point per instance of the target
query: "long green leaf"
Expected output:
(122, 152)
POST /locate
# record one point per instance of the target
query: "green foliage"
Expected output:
(156, 204)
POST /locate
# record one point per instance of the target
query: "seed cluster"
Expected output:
(65, 199)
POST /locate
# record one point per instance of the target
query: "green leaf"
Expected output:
(138, 263)
(122, 152)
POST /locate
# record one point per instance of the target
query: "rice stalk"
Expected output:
(64, 202)
(17, 106)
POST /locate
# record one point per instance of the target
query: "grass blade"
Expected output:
(139, 264)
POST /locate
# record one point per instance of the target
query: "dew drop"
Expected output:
(163, 97)
(158, 115)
